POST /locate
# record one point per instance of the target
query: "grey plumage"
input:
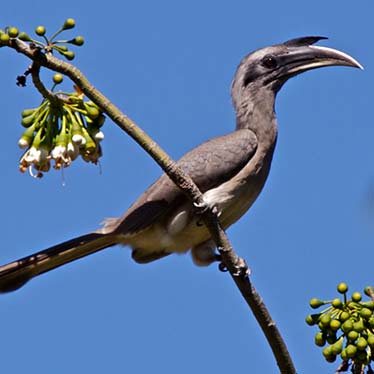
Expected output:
(230, 171)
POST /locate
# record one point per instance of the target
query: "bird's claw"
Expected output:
(203, 206)
(241, 268)
(222, 267)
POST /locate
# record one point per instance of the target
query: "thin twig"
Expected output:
(233, 263)
(47, 94)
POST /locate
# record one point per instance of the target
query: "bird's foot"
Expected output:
(241, 268)
(221, 266)
(202, 207)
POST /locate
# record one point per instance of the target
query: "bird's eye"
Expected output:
(269, 62)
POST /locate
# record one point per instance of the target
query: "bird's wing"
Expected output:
(209, 165)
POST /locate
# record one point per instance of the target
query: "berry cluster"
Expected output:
(346, 329)
(60, 131)
(49, 44)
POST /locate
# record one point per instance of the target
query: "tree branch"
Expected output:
(235, 265)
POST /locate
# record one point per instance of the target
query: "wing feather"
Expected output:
(210, 164)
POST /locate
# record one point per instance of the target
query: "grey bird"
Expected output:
(230, 171)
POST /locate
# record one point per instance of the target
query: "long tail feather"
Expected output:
(15, 274)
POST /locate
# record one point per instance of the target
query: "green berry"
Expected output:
(342, 287)
(4, 39)
(78, 40)
(58, 78)
(337, 347)
(69, 55)
(68, 24)
(335, 325)
(327, 351)
(314, 303)
(366, 313)
(347, 326)
(312, 319)
(361, 343)
(352, 335)
(359, 326)
(93, 113)
(344, 316)
(356, 297)
(351, 350)
(369, 291)
(325, 320)
(40, 30)
(24, 37)
(343, 355)
(328, 354)
(28, 121)
(13, 32)
(370, 340)
(27, 112)
(337, 303)
(320, 339)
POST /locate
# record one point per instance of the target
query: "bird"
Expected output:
(229, 170)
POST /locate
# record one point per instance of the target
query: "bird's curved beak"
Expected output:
(303, 58)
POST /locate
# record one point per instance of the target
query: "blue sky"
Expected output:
(169, 66)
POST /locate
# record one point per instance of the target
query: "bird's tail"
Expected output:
(15, 274)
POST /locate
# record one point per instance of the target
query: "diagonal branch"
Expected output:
(235, 265)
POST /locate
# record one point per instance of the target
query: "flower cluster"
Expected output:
(59, 131)
(64, 125)
(346, 329)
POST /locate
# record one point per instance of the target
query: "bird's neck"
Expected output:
(258, 115)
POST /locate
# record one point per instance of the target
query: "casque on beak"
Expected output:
(298, 59)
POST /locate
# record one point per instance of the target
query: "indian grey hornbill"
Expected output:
(230, 170)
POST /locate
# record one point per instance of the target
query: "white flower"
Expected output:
(23, 143)
(78, 139)
(31, 156)
(58, 152)
(35, 157)
(99, 136)
(61, 157)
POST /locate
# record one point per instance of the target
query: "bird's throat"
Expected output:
(258, 115)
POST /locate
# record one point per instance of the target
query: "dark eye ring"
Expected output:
(269, 62)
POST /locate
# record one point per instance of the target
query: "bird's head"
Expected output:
(267, 69)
